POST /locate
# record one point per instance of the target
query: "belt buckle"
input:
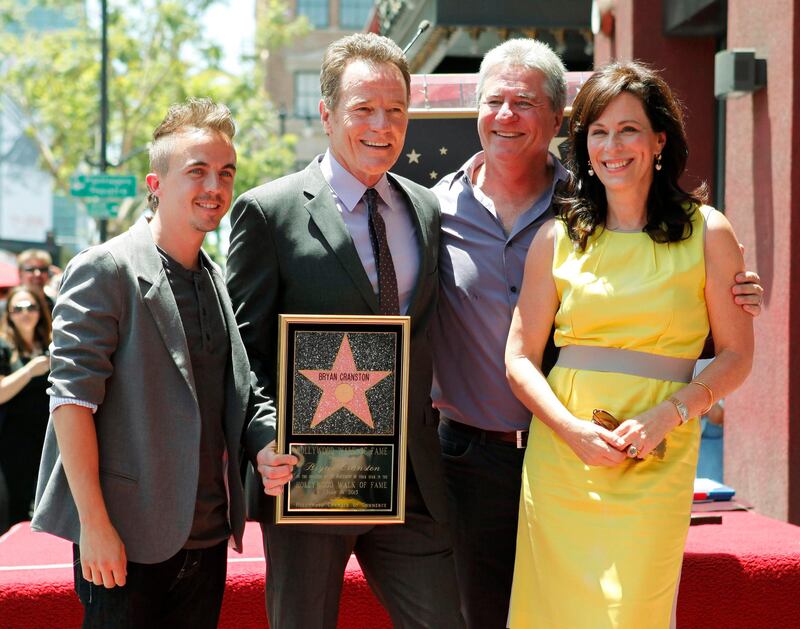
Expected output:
(522, 439)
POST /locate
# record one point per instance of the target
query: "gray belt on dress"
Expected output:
(631, 362)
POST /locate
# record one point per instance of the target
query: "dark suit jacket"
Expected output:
(118, 342)
(291, 253)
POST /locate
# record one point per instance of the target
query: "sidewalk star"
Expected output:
(343, 386)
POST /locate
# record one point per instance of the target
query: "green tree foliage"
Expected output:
(157, 56)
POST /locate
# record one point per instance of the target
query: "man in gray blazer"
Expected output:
(318, 242)
(149, 393)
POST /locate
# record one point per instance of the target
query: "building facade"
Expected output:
(460, 33)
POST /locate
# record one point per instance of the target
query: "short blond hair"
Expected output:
(34, 254)
(194, 113)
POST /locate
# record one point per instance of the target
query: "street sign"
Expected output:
(103, 209)
(113, 186)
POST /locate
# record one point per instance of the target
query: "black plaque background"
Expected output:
(396, 438)
(366, 484)
(343, 421)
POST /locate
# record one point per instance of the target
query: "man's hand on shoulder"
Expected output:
(747, 291)
(275, 469)
(103, 560)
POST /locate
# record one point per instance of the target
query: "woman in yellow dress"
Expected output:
(633, 273)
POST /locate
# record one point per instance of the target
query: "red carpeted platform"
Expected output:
(741, 574)
(36, 586)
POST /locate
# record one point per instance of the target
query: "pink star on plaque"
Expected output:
(343, 386)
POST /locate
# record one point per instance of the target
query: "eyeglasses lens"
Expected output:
(24, 307)
(36, 269)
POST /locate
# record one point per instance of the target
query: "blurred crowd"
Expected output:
(25, 326)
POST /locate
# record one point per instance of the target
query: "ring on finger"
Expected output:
(632, 451)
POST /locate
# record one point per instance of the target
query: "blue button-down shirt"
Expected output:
(348, 193)
(480, 273)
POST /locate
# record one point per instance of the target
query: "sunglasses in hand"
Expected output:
(606, 420)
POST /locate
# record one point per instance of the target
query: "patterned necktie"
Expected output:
(387, 280)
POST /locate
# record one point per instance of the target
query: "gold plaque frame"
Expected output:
(342, 409)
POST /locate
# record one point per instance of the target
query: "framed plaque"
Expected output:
(342, 406)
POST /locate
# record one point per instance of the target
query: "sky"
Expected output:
(231, 23)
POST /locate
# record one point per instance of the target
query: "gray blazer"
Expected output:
(292, 253)
(118, 342)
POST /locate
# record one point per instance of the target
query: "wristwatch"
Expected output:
(682, 409)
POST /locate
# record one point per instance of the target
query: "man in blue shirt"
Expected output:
(492, 208)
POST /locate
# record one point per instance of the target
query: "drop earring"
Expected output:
(591, 171)
(658, 162)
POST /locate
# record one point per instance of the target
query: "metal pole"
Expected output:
(2, 157)
(103, 102)
(282, 113)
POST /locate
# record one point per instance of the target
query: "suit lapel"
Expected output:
(421, 223)
(159, 299)
(241, 373)
(328, 219)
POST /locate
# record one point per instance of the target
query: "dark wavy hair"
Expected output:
(42, 331)
(583, 205)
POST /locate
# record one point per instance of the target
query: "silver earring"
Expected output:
(658, 162)
(591, 171)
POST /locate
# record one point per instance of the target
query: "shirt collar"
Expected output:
(539, 206)
(560, 173)
(346, 187)
(177, 267)
(468, 168)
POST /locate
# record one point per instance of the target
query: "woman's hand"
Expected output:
(38, 366)
(13, 383)
(594, 445)
(647, 430)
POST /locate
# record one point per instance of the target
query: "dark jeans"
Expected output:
(183, 591)
(408, 566)
(4, 523)
(483, 483)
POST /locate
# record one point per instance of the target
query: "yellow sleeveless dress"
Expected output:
(601, 547)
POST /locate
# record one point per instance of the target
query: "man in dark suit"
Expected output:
(149, 393)
(346, 237)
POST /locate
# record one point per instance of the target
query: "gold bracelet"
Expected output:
(710, 394)
(681, 408)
